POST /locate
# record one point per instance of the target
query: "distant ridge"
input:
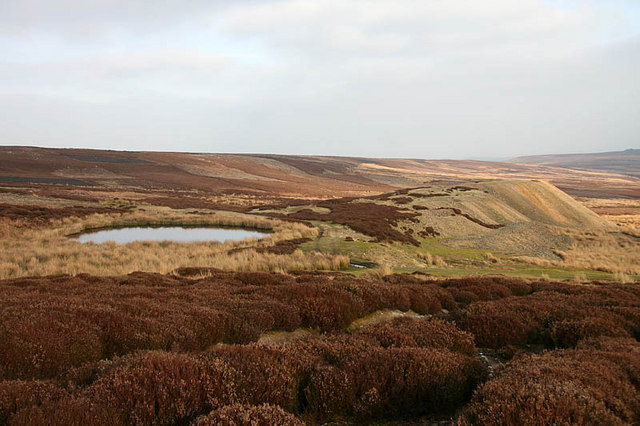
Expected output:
(284, 175)
(624, 162)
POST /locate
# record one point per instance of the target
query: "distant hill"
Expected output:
(624, 162)
(280, 175)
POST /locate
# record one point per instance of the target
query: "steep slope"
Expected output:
(544, 203)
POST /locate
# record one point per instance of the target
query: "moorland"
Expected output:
(386, 290)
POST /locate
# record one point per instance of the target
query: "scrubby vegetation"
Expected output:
(37, 246)
(603, 251)
(214, 336)
(596, 383)
(178, 349)
(376, 220)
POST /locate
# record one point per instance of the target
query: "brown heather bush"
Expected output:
(16, 395)
(249, 415)
(367, 381)
(369, 218)
(145, 388)
(419, 333)
(580, 386)
(163, 388)
(54, 324)
(391, 370)
(321, 379)
(265, 374)
(411, 381)
(146, 349)
(69, 411)
(567, 333)
(471, 289)
(557, 315)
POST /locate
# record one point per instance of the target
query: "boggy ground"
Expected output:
(177, 349)
(519, 228)
(42, 243)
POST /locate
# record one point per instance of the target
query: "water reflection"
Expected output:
(173, 233)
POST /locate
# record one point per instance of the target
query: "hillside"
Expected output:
(164, 173)
(515, 217)
(443, 215)
(625, 162)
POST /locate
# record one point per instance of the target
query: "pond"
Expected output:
(169, 233)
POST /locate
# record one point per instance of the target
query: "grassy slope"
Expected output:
(460, 261)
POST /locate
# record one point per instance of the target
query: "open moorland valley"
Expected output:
(376, 291)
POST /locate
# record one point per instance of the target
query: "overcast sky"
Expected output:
(383, 78)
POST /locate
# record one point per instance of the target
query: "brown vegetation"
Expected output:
(83, 332)
(554, 316)
(281, 247)
(148, 349)
(369, 218)
(102, 344)
(38, 216)
(69, 321)
(249, 415)
(594, 384)
(624, 213)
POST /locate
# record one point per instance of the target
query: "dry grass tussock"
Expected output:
(432, 259)
(599, 249)
(379, 272)
(629, 223)
(604, 251)
(622, 212)
(45, 251)
(595, 249)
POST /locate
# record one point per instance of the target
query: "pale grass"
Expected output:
(608, 202)
(603, 251)
(622, 278)
(490, 258)
(580, 277)
(379, 272)
(432, 259)
(595, 249)
(629, 223)
(27, 252)
(279, 336)
(378, 317)
(624, 213)
(531, 260)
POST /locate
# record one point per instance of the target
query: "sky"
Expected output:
(372, 78)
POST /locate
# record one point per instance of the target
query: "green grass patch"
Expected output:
(460, 261)
(529, 271)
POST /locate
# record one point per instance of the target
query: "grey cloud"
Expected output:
(378, 77)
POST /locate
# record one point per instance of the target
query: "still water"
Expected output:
(172, 233)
